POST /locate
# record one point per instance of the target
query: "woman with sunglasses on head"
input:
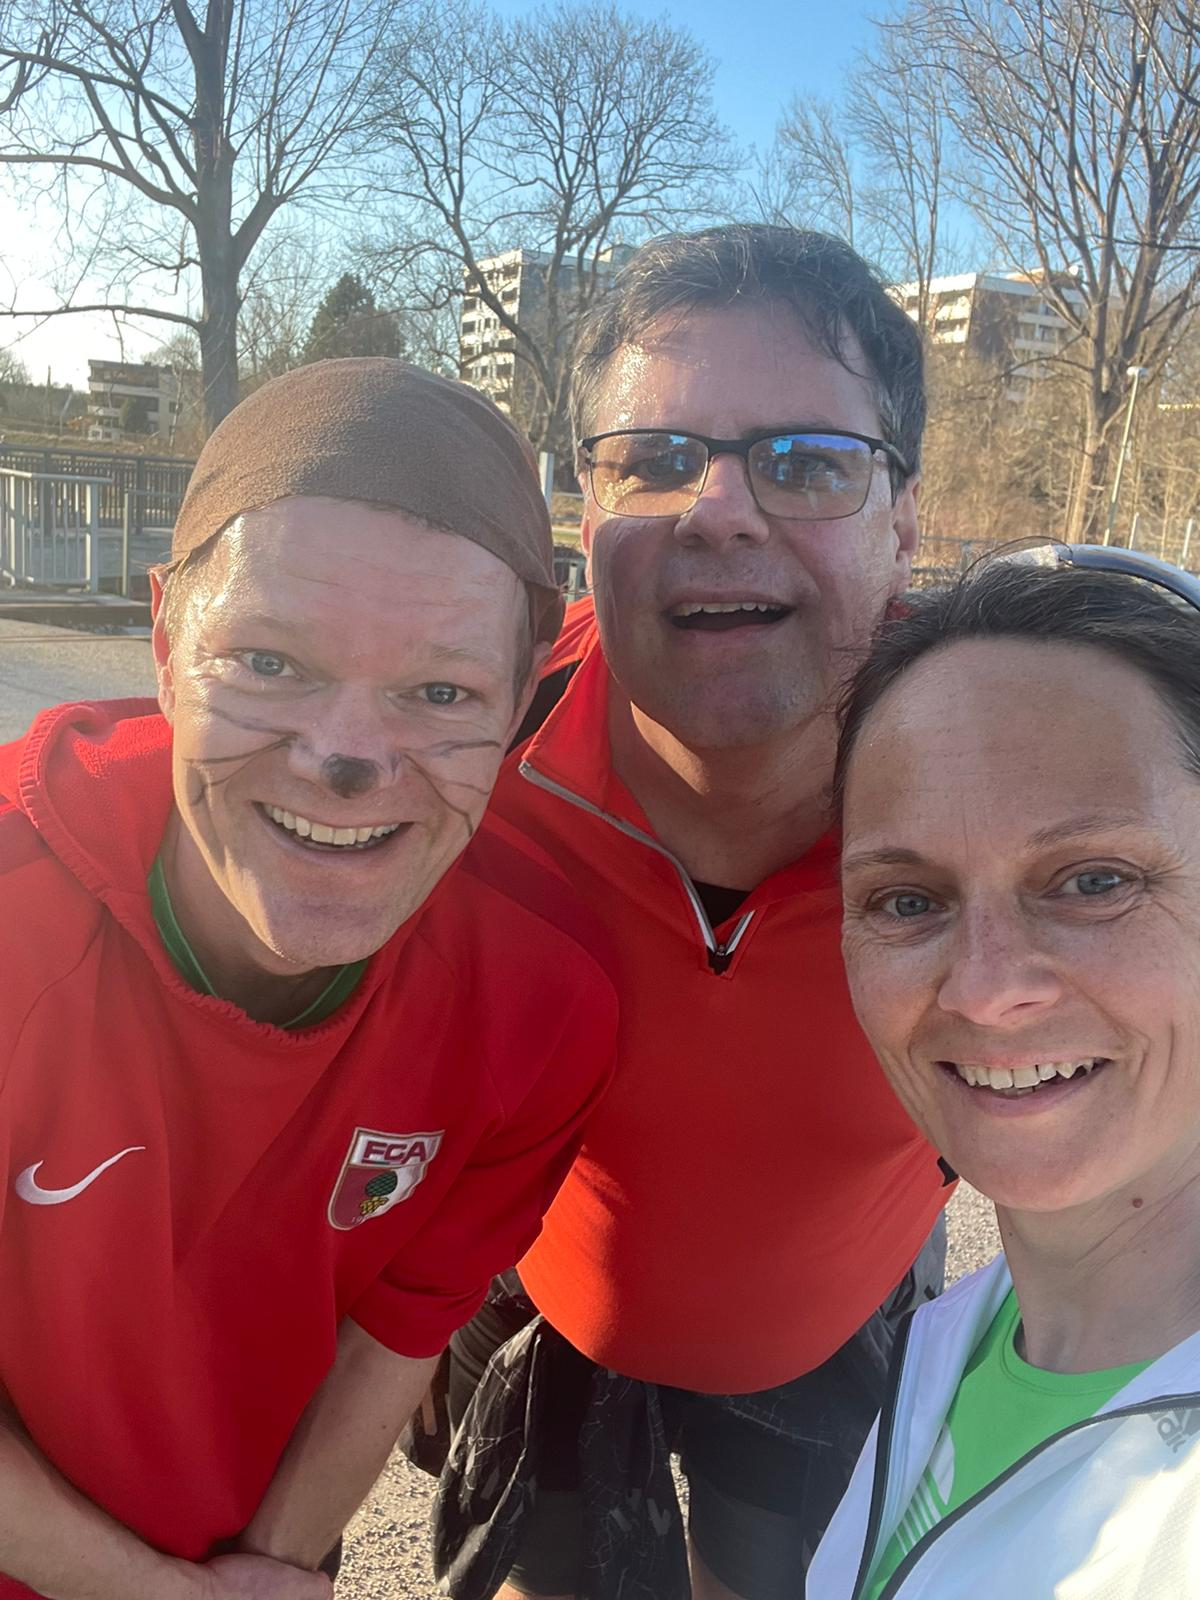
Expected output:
(1019, 777)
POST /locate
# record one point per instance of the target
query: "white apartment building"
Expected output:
(1003, 316)
(114, 384)
(517, 278)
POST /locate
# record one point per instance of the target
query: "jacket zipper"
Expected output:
(1169, 1402)
(883, 1451)
(719, 954)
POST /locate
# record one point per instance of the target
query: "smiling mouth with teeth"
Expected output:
(1013, 1083)
(719, 616)
(320, 833)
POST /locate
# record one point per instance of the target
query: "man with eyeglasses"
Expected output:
(723, 1271)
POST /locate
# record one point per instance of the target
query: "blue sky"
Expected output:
(765, 54)
(765, 51)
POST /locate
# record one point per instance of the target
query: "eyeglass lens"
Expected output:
(807, 476)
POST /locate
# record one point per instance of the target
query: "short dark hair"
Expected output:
(828, 286)
(1136, 622)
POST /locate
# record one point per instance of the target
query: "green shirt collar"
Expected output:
(338, 990)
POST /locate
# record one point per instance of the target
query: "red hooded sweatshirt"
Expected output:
(192, 1200)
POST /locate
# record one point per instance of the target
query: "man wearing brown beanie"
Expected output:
(281, 1090)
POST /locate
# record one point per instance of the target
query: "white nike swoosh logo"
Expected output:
(28, 1190)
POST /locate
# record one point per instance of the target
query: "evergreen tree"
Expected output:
(134, 415)
(348, 323)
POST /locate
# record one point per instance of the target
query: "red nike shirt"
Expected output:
(193, 1200)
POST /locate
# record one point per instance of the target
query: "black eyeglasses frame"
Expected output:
(742, 447)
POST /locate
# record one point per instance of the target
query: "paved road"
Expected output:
(386, 1547)
(43, 666)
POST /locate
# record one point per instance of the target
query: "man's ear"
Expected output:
(906, 527)
(160, 645)
(541, 654)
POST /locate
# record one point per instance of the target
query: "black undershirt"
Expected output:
(719, 903)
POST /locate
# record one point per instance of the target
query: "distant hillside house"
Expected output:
(131, 398)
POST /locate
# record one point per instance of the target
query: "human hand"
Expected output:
(245, 1577)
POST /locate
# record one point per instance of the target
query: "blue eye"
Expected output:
(266, 664)
(1096, 881)
(908, 904)
(442, 694)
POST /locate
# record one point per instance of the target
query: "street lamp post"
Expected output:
(1135, 373)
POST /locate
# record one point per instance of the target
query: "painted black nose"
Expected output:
(349, 775)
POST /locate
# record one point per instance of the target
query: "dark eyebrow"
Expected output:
(1086, 822)
(1058, 833)
(882, 858)
(812, 425)
(452, 653)
(763, 430)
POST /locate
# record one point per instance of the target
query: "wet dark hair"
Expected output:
(1136, 622)
(825, 283)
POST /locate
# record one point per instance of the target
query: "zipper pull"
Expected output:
(719, 959)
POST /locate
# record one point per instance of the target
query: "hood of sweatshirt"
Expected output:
(94, 779)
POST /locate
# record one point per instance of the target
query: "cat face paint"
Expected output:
(341, 687)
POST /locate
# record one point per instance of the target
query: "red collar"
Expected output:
(572, 749)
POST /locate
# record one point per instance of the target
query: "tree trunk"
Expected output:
(1088, 509)
(218, 331)
(219, 266)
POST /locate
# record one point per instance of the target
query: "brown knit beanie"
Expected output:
(370, 428)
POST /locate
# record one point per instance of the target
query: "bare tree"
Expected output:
(279, 296)
(817, 177)
(870, 167)
(12, 368)
(561, 133)
(1015, 479)
(180, 353)
(176, 130)
(1162, 473)
(1079, 127)
(896, 117)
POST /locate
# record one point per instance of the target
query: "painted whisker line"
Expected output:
(479, 789)
(451, 747)
(235, 763)
(242, 755)
(251, 727)
(456, 811)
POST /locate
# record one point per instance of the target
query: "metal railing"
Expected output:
(158, 482)
(50, 529)
(142, 546)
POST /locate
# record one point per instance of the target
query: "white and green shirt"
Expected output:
(1003, 1409)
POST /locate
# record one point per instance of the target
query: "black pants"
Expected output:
(765, 1471)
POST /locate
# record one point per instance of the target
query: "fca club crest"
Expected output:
(379, 1171)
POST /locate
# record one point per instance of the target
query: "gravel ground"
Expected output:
(387, 1544)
